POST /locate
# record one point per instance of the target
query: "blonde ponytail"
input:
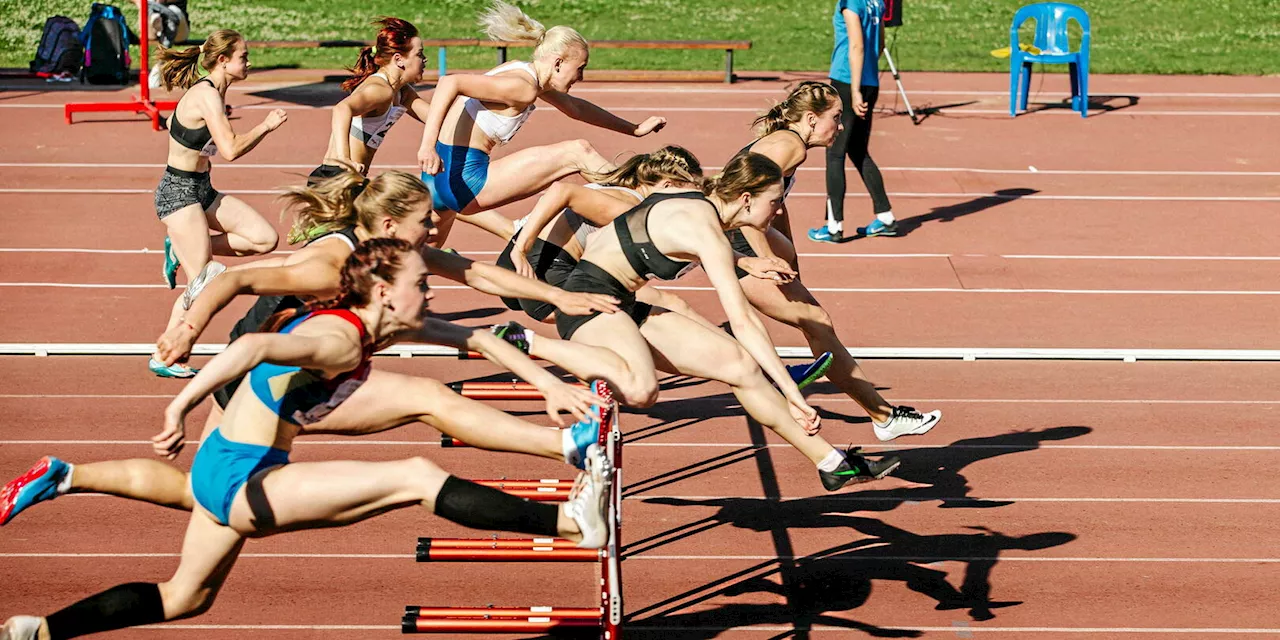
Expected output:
(505, 22)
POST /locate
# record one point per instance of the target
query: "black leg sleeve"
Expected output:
(860, 154)
(480, 507)
(836, 154)
(127, 605)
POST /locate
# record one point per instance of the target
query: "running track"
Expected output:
(1062, 499)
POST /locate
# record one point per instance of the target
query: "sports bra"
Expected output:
(372, 129)
(787, 181)
(303, 396)
(497, 126)
(195, 139)
(582, 228)
(632, 228)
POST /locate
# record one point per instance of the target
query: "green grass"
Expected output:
(1142, 36)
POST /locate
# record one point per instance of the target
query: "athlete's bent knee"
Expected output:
(186, 601)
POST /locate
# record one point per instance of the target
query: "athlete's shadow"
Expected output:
(841, 579)
(950, 212)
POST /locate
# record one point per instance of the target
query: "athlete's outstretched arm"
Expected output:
(584, 111)
(497, 281)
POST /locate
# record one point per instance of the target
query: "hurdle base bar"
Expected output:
(497, 619)
(503, 550)
(137, 105)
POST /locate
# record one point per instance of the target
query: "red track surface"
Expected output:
(1077, 499)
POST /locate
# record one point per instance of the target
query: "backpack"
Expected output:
(106, 38)
(59, 50)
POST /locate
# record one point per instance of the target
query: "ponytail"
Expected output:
(507, 23)
(746, 173)
(808, 97)
(181, 68)
(349, 199)
(394, 37)
(672, 162)
(374, 260)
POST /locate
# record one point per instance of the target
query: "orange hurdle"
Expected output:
(607, 618)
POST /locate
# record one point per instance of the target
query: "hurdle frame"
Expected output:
(607, 617)
(141, 102)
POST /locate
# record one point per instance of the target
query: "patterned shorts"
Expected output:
(181, 188)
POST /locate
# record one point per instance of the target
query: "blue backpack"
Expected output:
(106, 38)
(59, 50)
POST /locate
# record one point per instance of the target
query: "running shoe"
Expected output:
(857, 468)
(906, 421)
(211, 270)
(588, 503)
(806, 374)
(581, 436)
(171, 264)
(877, 228)
(515, 334)
(38, 484)
(21, 628)
(823, 234)
(175, 370)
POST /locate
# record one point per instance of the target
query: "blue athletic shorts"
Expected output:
(462, 175)
(222, 466)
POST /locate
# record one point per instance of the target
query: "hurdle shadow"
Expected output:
(948, 213)
(469, 314)
(1098, 104)
(938, 471)
(841, 580)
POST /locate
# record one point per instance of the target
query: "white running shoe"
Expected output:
(588, 503)
(20, 628)
(207, 274)
(906, 421)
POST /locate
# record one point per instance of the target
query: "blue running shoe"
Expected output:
(38, 484)
(806, 374)
(171, 264)
(823, 234)
(581, 436)
(175, 370)
(877, 228)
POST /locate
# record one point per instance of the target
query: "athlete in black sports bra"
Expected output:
(808, 118)
(662, 237)
(185, 199)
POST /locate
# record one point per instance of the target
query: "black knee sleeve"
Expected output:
(481, 507)
(127, 605)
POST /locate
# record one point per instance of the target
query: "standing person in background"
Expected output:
(859, 40)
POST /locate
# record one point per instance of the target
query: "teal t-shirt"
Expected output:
(871, 13)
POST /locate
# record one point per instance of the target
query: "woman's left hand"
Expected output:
(653, 124)
(576, 401)
(169, 442)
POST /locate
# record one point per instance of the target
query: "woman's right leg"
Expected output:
(189, 232)
(209, 551)
(615, 338)
(836, 154)
(308, 495)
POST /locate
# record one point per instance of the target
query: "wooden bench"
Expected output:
(728, 46)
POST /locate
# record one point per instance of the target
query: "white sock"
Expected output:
(567, 447)
(832, 461)
(886, 217)
(833, 225)
(65, 485)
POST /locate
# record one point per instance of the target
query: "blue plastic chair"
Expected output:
(1051, 38)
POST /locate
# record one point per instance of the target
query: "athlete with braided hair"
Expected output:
(245, 486)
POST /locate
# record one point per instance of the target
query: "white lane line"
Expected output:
(871, 256)
(1125, 292)
(914, 499)
(756, 110)
(896, 194)
(667, 558)
(641, 628)
(1083, 172)
(719, 445)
